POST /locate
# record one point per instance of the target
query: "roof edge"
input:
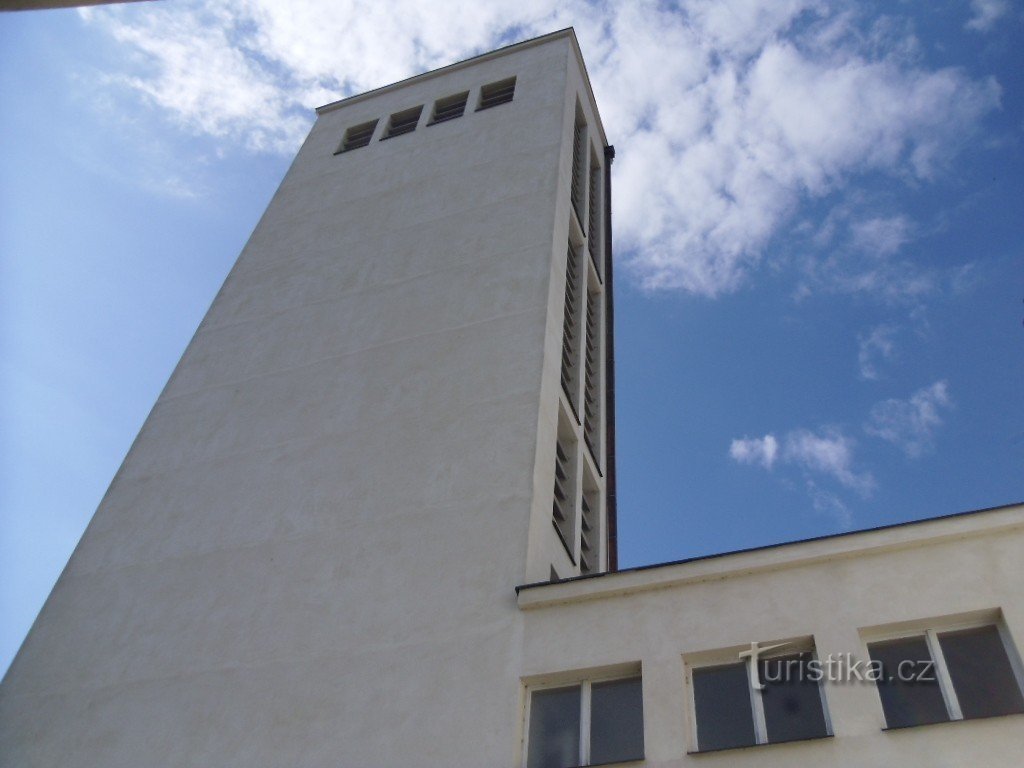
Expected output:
(496, 53)
(601, 584)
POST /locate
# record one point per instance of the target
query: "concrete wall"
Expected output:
(829, 590)
(307, 557)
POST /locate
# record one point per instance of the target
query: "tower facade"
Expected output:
(396, 409)
(370, 521)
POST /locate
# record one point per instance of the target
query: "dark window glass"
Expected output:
(616, 721)
(722, 699)
(554, 728)
(981, 673)
(908, 702)
(791, 701)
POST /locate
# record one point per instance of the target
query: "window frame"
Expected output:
(726, 656)
(930, 629)
(585, 682)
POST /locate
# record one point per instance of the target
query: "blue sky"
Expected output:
(819, 213)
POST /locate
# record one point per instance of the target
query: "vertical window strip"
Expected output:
(592, 377)
(570, 331)
(578, 162)
(564, 504)
(593, 220)
(589, 556)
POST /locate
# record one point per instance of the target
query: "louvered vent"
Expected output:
(403, 122)
(358, 136)
(589, 561)
(449, 108)
(497, 93)
(578, 161)
(570, 330)
(592, 376)
(593, 220)
(564, 506)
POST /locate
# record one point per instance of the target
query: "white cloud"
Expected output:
(728, 115)
(829, 453)
(986, 14)
(875, 347)
(881, 235)
(911, 424)
(831, 505)
(755, 450)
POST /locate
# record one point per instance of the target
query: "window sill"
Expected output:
(698, 752)
(627, 761)
(896, 728)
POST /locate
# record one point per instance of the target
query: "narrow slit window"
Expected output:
(563, 508)
(571, 331)
(594, 217)
(592, 376)
(577, 189)
(403, 122)
(449, 108)
(357, 136)
(497, 93)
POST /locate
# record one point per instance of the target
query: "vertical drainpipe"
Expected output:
(609, 324)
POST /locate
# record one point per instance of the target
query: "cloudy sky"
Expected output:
(819, 219)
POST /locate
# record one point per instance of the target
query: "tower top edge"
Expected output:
(566, 33)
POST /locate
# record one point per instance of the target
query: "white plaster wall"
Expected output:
(307, 557)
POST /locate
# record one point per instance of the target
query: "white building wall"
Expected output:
(830, 590)
(307, 557)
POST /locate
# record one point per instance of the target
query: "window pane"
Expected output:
(616, 721)
(980, 669)
(792, 702)
(913, 701)
(722, 699)
(554, 728)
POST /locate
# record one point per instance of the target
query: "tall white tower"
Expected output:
(398, 407)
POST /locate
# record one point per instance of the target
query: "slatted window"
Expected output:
(403, 122)
(594, 217)
(579, 161)
(592, 376)
(357, 136)
(570, 331)
(449, 108)
(563, 511)
(589, 534)
(497, 93)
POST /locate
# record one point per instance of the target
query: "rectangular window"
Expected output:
(357, 136)
(449, 108)
(939, 675)
(403, 122)
(786, 704)
(590, 723)
(497, 93)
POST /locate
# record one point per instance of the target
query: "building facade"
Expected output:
(370, 520)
